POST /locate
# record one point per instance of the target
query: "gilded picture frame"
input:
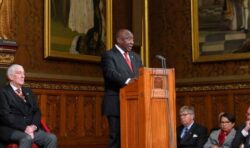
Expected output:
(64, 36)
(215, 35)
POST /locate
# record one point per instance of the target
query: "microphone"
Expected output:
(160, 57)
(163, 60)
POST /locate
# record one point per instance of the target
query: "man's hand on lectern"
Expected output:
(132, 80)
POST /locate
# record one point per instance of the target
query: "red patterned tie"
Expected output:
(128, 60)
(20, 94)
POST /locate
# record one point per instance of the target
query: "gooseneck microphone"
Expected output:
(164, 68)
(163, 60)
(159, 57)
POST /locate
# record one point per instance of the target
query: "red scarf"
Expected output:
(222, 137)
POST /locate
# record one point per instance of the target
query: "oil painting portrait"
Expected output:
(75, 29)
(220, 30)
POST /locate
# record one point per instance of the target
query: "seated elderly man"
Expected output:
(190, 134)
(19, 113)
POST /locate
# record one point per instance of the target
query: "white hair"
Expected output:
(11, 69)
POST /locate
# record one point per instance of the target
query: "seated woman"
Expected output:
(224, 136)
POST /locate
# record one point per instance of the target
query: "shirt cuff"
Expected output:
(127, 81)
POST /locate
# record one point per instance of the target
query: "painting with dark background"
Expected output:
(78, 26)
(222, 26)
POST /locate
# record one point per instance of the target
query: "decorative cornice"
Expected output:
(6, 59)
(7, 56)
(63, 82)
(76, 83)
(213, 87)
(92, 87)
(57, 86)
(213, 83)
(62, 78)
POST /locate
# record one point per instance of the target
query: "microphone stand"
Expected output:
(164, 67)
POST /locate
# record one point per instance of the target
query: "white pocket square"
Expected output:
(195, 136)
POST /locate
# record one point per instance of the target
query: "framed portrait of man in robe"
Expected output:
(77, 29)
(220, 30)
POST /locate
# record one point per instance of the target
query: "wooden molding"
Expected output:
(213, 83)
(217, 87)
(63, 82)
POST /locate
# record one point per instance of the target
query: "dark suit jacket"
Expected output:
(196, 137)
(14, 115)
(116, 71)
(239, 138)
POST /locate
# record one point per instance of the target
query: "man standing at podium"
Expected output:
(120, 67)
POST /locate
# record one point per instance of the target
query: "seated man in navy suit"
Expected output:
(19, 113)
(190, 134)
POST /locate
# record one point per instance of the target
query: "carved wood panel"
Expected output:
(74, 116)
(208, 104)
(241, 102)
(220, 103)
(198, 102)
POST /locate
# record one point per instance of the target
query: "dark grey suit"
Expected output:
(16, 115)
(115, 72)
(240, 138)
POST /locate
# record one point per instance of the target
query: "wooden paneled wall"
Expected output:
(73, 112)
(208, 104)
(74, 116)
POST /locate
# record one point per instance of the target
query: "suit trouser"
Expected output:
(114, 130)
(2, 145)
(41, 138)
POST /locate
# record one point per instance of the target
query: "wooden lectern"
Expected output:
(148, 118)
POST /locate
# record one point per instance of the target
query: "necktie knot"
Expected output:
(185, 132)
(128, 61)
(126, 56)
(20, 94)
(18, 90)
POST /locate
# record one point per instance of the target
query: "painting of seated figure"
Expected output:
(76, 29)
(220, 30)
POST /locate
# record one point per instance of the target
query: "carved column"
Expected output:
(7, 55)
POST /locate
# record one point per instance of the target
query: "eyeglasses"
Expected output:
(222, 122)
(184, 114)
